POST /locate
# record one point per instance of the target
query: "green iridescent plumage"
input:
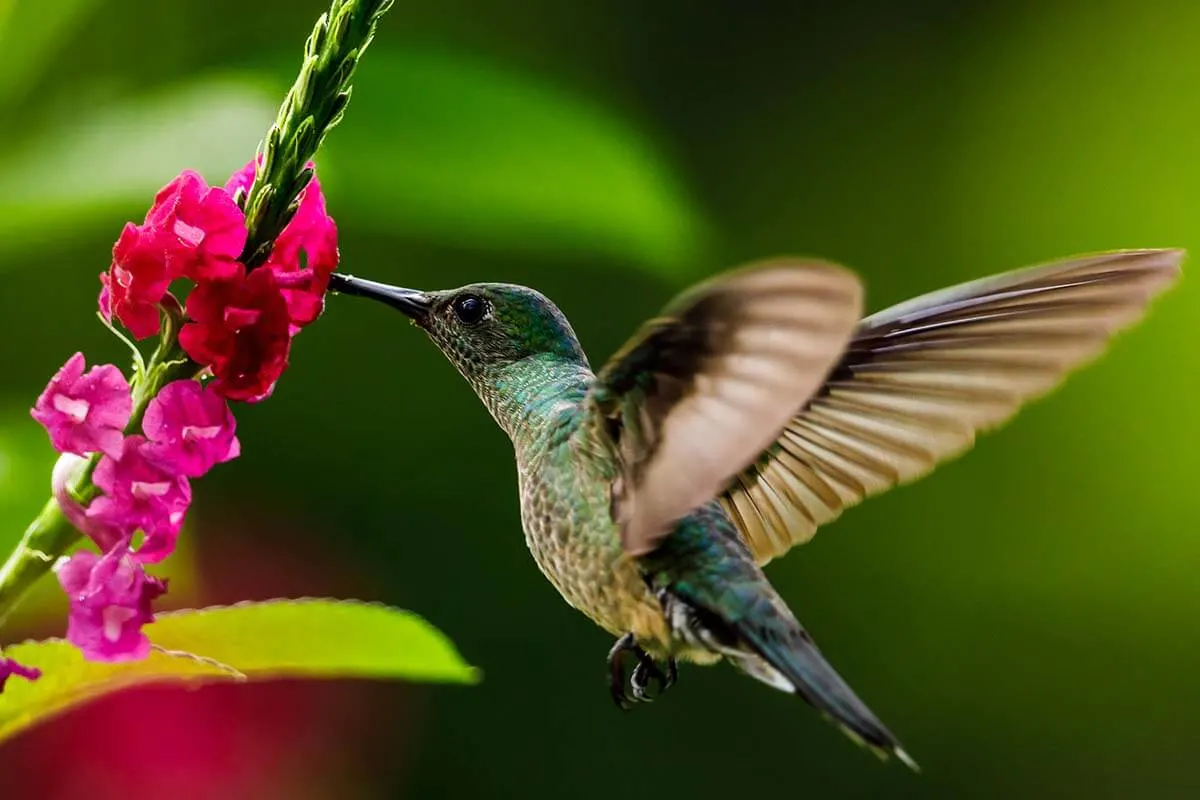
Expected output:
(756, 408)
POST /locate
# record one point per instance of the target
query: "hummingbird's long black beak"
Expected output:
(412, 303)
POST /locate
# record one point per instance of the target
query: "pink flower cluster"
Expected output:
(238, 327)
(187, 429)
(240, 321)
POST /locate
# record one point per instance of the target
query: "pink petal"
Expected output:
(70, 372)
(191, 428)
(74, 572)
(142, 490)
(74, 410)
(108, 442)
(138, 278)
(188, 234)
(307, 244)
(242, 178)
(224, 225)
(107, 521)
(104, 301)
(203, 231)
(85, 413)
(141, 319)
(185, 189)
(104, 531)
(105, 474)
(110, 599)
(107, 392)
(159, 542)
(246, 359)
(9, 668)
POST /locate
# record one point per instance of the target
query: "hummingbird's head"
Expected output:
(480, 327)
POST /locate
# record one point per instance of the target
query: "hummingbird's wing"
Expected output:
(920, 379)
(702, 389)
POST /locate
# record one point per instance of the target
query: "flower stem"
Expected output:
(313, 106)
(48, 536)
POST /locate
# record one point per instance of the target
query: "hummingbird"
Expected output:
(756, 407)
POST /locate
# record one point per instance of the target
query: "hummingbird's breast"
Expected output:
(565, 484)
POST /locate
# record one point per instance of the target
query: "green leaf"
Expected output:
(102, 163)
(305, 638)
(448, 148)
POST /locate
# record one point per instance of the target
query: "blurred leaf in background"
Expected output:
(105, 162)
(460, 150)
(31, 34)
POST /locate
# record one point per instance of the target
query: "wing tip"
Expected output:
(849, 281)
(1173, 255)
(1160, 266)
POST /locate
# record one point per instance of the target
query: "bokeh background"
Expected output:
(1025, 620)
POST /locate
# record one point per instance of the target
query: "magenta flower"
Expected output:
(139, 493)
(190, 428)
(305, 254)
(240, 329)
(85, 412)
(135, 282)
(8, 668)
(203, 229)
(67, 470)
(105, 298)
(158, 541)
(108, 519)
(110, 599)
(240, 181)
(308, 246)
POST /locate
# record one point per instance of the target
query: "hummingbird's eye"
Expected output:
(469, 309)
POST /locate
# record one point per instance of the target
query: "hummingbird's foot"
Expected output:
(648, 670)
(616, 672)
(645, 671)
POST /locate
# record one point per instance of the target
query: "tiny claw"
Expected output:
(640, 681)
(646, 670)
(616, 688)
(616, 672)
(672, 674)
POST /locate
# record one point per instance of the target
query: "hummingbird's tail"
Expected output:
(764, 640)
(784, 656)
(716, 598)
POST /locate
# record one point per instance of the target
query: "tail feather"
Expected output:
(716, 598)
(783, 655)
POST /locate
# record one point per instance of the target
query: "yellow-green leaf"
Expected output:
(307, 638)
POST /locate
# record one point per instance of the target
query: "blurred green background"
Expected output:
(1024, 620)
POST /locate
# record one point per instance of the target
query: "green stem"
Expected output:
(313, 106)
(47, 537)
